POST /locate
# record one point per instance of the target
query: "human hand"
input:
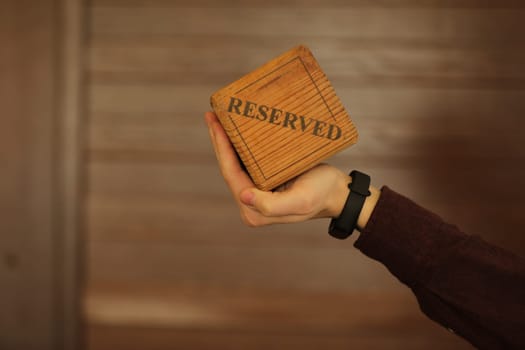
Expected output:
(319, 192)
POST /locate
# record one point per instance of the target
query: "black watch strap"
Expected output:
(343, 226)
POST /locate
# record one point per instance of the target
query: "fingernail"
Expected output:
(248, 198)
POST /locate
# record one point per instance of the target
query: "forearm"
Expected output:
(460, 281)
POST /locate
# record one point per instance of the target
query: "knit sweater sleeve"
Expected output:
(471, 287)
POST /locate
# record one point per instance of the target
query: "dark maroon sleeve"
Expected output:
(471, 287)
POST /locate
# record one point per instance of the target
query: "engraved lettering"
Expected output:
(318, 128)
(276, 113)
(331, 130)
(304, 124)
(249, 107)
(263, 113)
(284, 119)
(235, 103)
(289, 120)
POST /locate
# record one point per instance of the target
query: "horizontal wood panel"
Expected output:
(179, 312)
(190, 219)
(341, 22)
(313, 3)
(277, 311)
(344, 61)
(364, 81)
(300, 268)
(134, 338)
(249, 47)
(192, 100)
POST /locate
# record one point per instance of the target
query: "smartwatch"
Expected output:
(343, 226)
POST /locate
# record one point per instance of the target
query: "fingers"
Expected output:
(276, 204)
(298, 201)
(231, 170)
(252, 217)
(259, 211)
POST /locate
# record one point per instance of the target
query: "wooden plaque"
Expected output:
(283, 118)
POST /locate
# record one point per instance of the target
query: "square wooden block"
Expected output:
(283, 118)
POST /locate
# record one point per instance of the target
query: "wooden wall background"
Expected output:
(39, 158)
(437, 91)
(27, 96)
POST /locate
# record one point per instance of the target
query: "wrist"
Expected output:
(368, 208)
(340, 193)
(342, 226)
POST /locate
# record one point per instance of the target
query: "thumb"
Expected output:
(275, 203)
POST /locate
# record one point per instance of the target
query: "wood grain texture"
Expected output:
(110, 337)
(432, 62)
(476, 4)
(435, 88)
(283, 118)
(333, 22)
(358, 317)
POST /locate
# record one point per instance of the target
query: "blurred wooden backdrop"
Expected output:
(39, 161)
(437, 91)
